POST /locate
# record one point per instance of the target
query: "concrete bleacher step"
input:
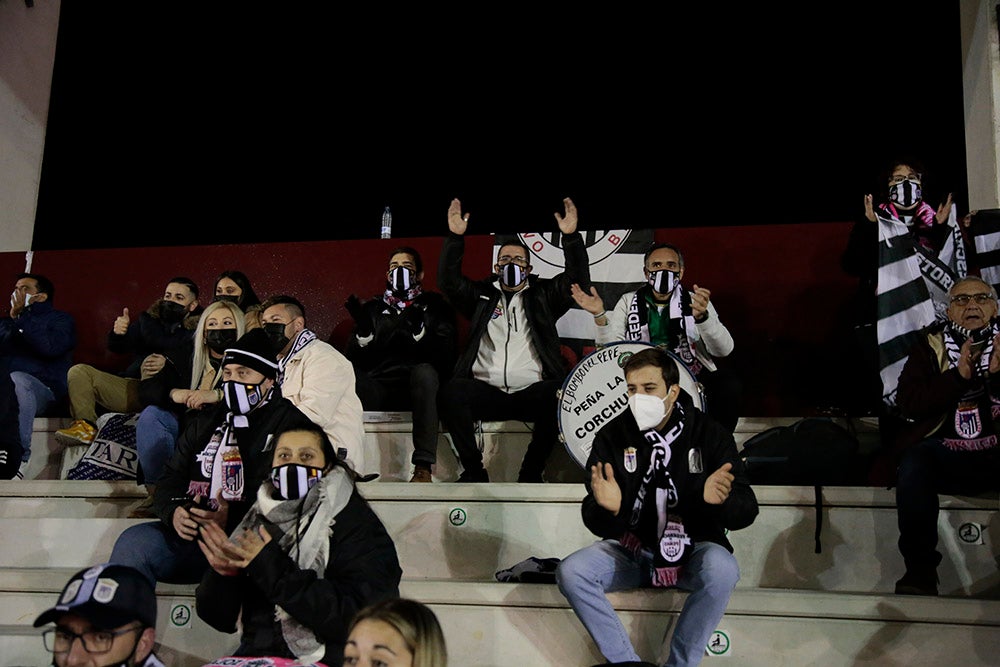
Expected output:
(468, 532)
(499, 624)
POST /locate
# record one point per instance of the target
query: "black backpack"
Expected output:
(814, 451)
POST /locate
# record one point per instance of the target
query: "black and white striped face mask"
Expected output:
(402, 279)
(663, 281)
(293, 480)
(905, 194)
(512, 275)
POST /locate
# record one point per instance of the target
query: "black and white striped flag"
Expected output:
(615, 268)
(912, 293)
(985, 231)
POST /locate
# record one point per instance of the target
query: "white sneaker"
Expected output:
(22, 470)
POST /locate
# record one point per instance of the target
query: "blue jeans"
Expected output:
(586, 575)
(156, 433)
(33, 399)
(158, 552)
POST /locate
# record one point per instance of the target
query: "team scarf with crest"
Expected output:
(681, 332)
(978, 409)
(401, 299)
(654, 511)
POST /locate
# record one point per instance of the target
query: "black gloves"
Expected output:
(412, 319)
(362, 322)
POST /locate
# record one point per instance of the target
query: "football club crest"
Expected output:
(630, 459)
(968, 423)
(104, 592)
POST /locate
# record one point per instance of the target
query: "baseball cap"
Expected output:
(109, 596)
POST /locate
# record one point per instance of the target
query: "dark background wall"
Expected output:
(191, 124)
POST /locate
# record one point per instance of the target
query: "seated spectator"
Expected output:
(219, 462)
(950, 444)
(234, 286)
(685, 322)
(666, 486)
(106, 614)
(403, 343)
(397, 632)
(37, 343)
(512, 365)
(316, 377)
(168, 323)
(307, 556)
(186, 383)
(10, 439)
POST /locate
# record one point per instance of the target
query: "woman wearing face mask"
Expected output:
(234, 286)
(306, 557)
(187, 381)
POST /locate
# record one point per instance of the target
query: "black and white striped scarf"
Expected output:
(304, 337)
(672, 542)
(974, 418)
(681, 330)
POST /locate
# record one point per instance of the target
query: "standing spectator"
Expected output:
(512, 365)
(666, 484)
(235, 287)
(307, 556)
(665, 313)
(316, 377)
(37, 343)
(951, 443)
(403, 344)
(214, 473)
(167, 323)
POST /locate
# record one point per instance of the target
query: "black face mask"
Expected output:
(227, 298)
(172, 312)
(276, 334)
(219, 340)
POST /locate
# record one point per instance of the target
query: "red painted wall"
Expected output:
(778, 288)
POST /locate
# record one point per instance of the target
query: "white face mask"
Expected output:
(27, 299)
(647, 409)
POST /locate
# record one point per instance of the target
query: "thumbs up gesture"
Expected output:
(121, 323)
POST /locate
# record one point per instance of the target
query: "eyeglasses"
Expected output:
(507, 259)
(60, 640)
(963, 299)
(896, 180)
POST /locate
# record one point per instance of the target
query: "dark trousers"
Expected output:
(465, 401)
(417, 392)
(927, 469)
(722, 396)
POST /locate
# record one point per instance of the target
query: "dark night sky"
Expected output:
(191, 127)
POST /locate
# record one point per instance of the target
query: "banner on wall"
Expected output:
(615, 268)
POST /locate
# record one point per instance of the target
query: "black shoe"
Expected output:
(917, 583)
(474, 476)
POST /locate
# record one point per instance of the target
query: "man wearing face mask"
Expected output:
(403, 343)
(316, 378)
(512, 366)
(36, 344)
(188, 382)
(949, 393)
(105, 617)
(685, 322)
(220, 459)
(666, 483)
(166, 324)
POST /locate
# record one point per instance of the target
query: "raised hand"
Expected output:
(457, 222)
(944, 210)
(719, 484)
(869, 208)
(699, 301)
(361, 318)
(606, 491)
(567, 223)
(121, 323)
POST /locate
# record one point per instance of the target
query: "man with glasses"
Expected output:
(949, 392)
(105, 615)
(685, 322)
(512, 365)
